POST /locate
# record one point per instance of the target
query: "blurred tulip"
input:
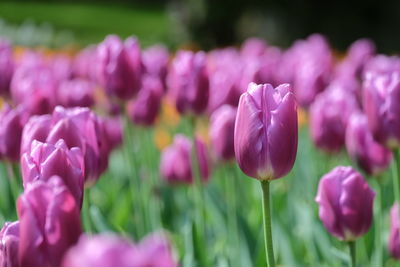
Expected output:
(176, 165)
(109, 251)
(188, 81)
(9, 242)
(265, 135)
(76, 93)
(381, 96)
(6, 67)
(82, 64)
(369, 155)
(46, 160)
(145, 108)
(61, 66)
(34, 87)
(381, 65)
(329, 115)
(119, 66)
(345, 203)
(222, 127)
(394, 236)
(12, 123)
(49, 223)
(225, 74)
(155, 61)
(78, 127)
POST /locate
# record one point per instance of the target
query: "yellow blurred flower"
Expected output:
(302, 117)
(162, 138)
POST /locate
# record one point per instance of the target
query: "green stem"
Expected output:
(87, 224)
(352, 246)
(269, 249)
(396, 174)
(378, 221)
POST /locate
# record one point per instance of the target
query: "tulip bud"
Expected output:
(345, 203)
(380, 99)
(82, 66)
(394, 236)
(49, 223)
(369, 155)
(34, 87)
(46, 160)
(76, 93)
(78, 127)
(119, 66)
(6, 67)
(12, 123)
(155, 61)
(176, 165)
(329, 115)
(222, 127)
(145, 108)
(266, 131)
(9, 242)
(111, 250)
(188, 82)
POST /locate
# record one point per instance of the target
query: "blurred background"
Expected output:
(200, 23)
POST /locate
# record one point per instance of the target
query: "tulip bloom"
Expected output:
(222, 127)
(119, 66)
(329, 115)
(394, 236)
(34, 86)
(380, 99)
(108, 250)
(188, 82)
(372, 157)
(76, 93)
(176, 165)
(9, 242)
(145, 108)
(49, 223)
(12, 123)
(46, 160)
(345, 203)
(266, 131)
(78, 127)
(6, 67)
(155, 60)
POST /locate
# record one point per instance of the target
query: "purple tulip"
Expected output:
(188, 81)
(37, 80)
(225, 74)
(9, 242)
(49, 223)
(176, 165)
(12, 123)
(369, 155)
(155, 61)
(358, 54)
(381, 65)
(82, 64)
(394, 236)
(222, 127)
(145, 108)
(78, 127)
(308, 66)
(119, 66)
(108, 250)
(76, 93)
(345, 203)
(6, 67)
(265, 134)
(61, 66)
(46, 160)
(329, 115)
(381, 97)
(155, 251)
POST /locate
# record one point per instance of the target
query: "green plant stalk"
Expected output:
(352, 247)
(396, 174)
(87, 224)
(269, 249)
(378, 221)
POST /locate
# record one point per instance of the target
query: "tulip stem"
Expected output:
(352, 246)
(396, 174)
(86, 212)
(269, 249)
